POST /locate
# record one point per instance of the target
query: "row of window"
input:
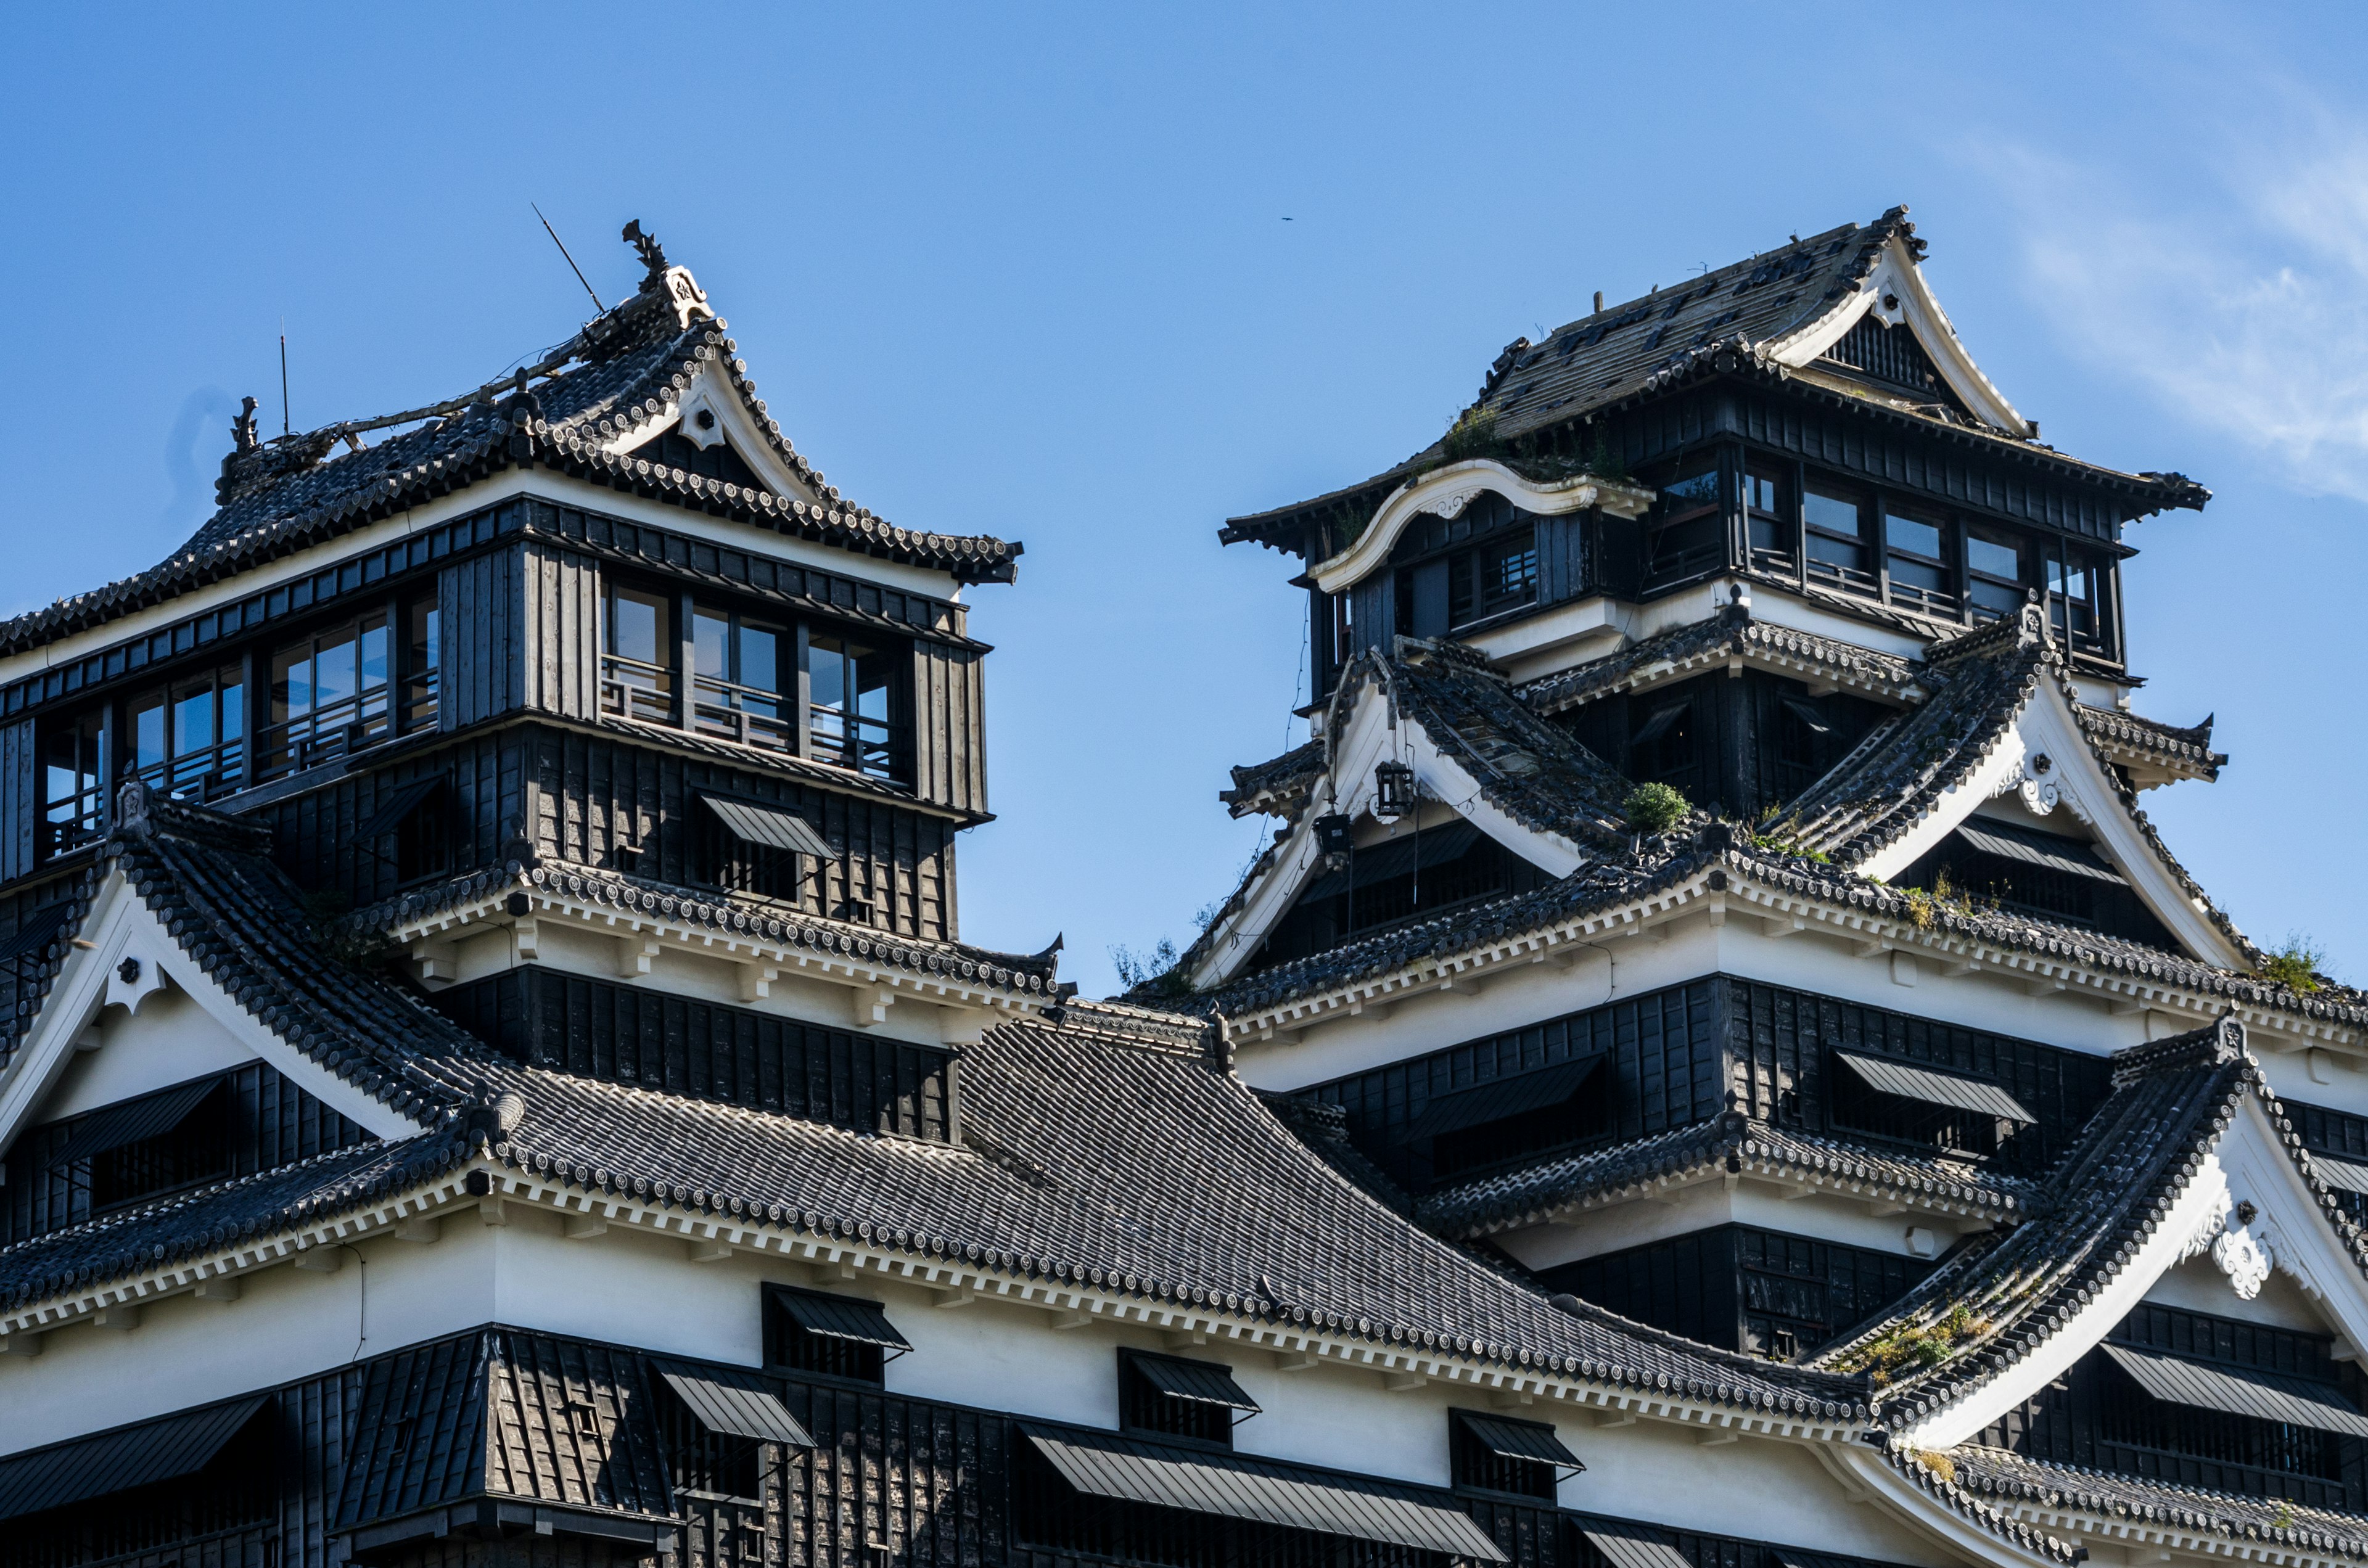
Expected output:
(338, 689)
(1875, 544)
(775, 684)
(1167, 1397)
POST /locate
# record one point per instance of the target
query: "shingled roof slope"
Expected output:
(624, 369)
(1706, 644)
(1994, 1304)
(1091, 1147)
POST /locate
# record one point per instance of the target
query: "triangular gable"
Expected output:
(1895, 292)
(1439, 711)
(714, 410)
(2190, 1156)
(183, 897)
(2005, 721)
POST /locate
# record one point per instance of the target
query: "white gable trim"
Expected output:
(710, 389)
(1368, 736)
(120, 925)
(1866, 1475)
(2248, 1163)
(2075, 780)
(1898, 278)
(1445, 492)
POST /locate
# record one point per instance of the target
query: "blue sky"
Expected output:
(1097, 277)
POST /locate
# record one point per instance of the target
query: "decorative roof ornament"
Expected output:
(243, 434)
(674, 284)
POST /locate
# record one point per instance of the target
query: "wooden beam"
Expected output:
(326, 1258)
(122, 1318)
(634, 955)
(217, 1289)
(706, 1249)
(420, 1228)
(584, 1227)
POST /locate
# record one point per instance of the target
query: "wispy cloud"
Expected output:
(2241, 302)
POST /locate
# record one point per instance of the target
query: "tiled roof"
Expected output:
(1034, 974)
(1531, 770)
(1731, 1142)
(621, 370)
(2187, 751)
(1980, 681)
(1721, 322)
(2171, 1101)
(1090, 1147)
(2009, 1479)
(1277, 787)
(1706, 644)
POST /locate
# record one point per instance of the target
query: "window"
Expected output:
(1497, 1453)
(1833, 520)
(1857, 1106)
(1177, 1398)
(1690, 535)
(74, 787)
(1444, 592)
(848, 691)
(331, 694)
(637, 668)
(1765, 495)
(1915, 558)
(2074, 600)
(735, 691)
(1498, 576)
(1661, 747)
(1994, 572)
(831, 1337)
(189, 739)
(192, 1146)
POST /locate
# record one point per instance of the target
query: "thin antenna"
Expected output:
(283, 378)
(571, 260)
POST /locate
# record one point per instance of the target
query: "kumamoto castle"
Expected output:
(1714, 1069)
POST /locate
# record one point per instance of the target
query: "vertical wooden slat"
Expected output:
(20, 800)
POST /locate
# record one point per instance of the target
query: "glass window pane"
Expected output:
(1837, 552)
(423, 637)
(375, 669)
(193, 719)
(1835, 512)
(637, 627)
(233, 705)
(1907, 573)
(148, 734)
(827, 671)
(1996, 557)
(2074, 580)
(1763, 492)
(1690, 494)
(332, 669)
(711, 644)
(292, 684)
(760, 657)
(1909, 534)
(1998, 598)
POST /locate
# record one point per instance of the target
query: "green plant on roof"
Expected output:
(2283, 1520)
(1156, 973)
(1912, 1349)
(1474, 435)
(1938, 1463)
(2296, 965)
(1773, 838)
(1655, 807)
(1603, 462)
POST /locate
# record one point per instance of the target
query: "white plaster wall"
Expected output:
(1638, 1221)
(2198, 1285)
(643, 1291)
(1631, 966)
(169, 1041)
(573, 948)
(2336, 1080)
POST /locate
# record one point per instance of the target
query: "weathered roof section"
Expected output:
(209, 881)
(1980, 681)
(1277, 787)
(624, 369)
(1722, 323)
(1709, 644)
(1731, 1144)
(2013, 1482)
(2134, 742)
(1090, 1148)
(1533, 771)
(1979, 1315)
